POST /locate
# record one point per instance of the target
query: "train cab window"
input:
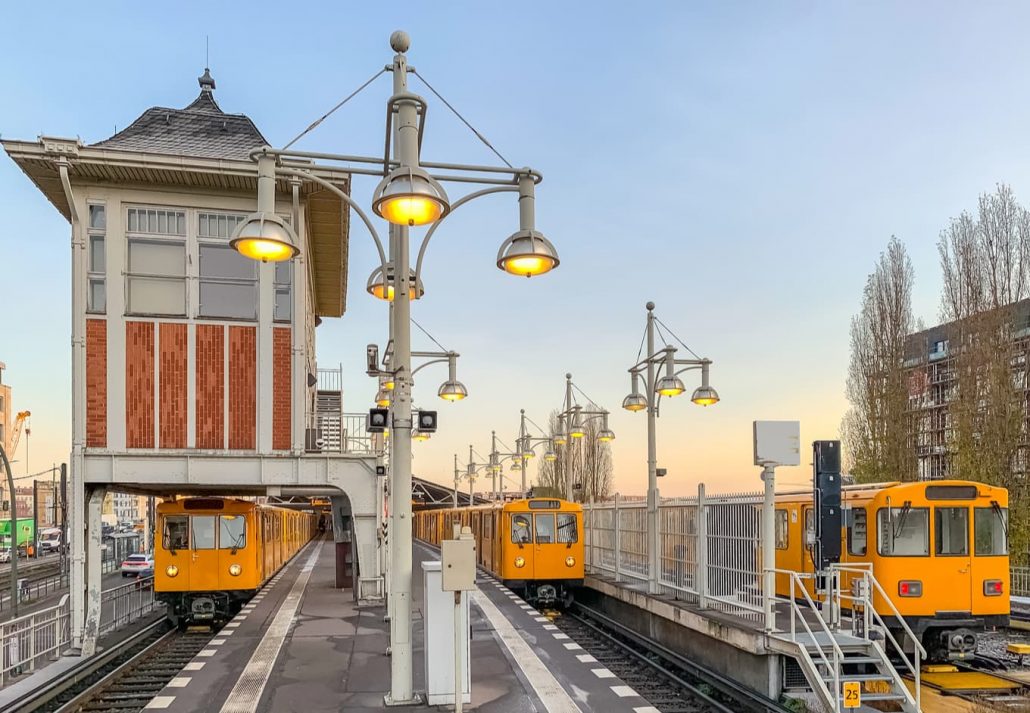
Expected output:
(951, 531)
(232, 532)
(782, 534)
(858, 536)
(176, 532)
(520, 529)
(202, 531)
(567, 531)
(991, 531)
(903, 531)
(544, 529)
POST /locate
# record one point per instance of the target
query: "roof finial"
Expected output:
(207, 82)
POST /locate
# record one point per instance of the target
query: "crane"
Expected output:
(19, 421)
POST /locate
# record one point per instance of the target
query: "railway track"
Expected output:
(668, 681)
(123, 679)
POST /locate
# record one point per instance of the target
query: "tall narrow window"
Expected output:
(156, 275)
(283, 291)
(96, 261)
(228, 280)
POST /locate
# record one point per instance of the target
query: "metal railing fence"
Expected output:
(709, 548)
(30, 640)
(1019, 582)
(125, 604)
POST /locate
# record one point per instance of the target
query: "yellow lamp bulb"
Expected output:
(528, 265)
(452, 396)
(670, 392)
(411, 210)
(264, 250)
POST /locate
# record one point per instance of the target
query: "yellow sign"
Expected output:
(852, 694)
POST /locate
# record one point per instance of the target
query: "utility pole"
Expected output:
(14, 534)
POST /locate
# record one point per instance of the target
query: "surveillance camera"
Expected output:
(372, 359)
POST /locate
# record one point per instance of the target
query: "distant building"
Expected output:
(932, 385)
(6, 425)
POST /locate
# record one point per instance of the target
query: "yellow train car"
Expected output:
(938, 548)
(215, 553)
(533, 546)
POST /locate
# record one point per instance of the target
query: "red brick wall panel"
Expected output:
(242, 388)
(139, 384)
(96, 383)
(172, 387)
(210, 365)
(282, 365)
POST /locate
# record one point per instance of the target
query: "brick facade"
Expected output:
(242, 388)
(139, 384)
(96, 383)
(172, 386)
(282, 366)
(210, 365)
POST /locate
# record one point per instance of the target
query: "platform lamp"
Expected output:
(572, 427)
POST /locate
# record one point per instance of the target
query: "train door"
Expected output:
(951, 560)
(545, 543)
(203, 555)
(486, 541)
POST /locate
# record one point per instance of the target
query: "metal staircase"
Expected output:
(847, 660)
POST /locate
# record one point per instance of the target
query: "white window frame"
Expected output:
(143, 237)
(93, 275)
(203, 241)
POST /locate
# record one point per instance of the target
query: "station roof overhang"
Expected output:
(327, 214)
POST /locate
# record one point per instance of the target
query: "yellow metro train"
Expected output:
(938, 548)
(215, 553)
(533, 546)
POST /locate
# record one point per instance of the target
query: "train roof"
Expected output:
(868, 490)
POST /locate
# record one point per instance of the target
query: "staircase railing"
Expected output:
(865, 598)
(799, 614)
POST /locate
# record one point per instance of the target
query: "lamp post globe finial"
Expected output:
(400, 41)
(650, 306)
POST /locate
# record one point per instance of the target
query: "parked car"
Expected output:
(138, 566)
(5, 555)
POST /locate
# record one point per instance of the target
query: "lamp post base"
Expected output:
(389, 702)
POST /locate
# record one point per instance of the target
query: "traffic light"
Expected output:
(377, 420)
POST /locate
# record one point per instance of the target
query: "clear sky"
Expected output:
(742, 164)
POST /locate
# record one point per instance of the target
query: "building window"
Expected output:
(283, 291)
(96, 267)
(156, 275)
(228, 280)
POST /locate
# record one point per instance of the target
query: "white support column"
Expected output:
(617, 526)
(266, 310)
(298, 325)
(768, 534)
(116, 256)
(701, 547)
(91, 625)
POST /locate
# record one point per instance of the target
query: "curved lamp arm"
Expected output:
(346, 199)
(456, 204)
(423, 366)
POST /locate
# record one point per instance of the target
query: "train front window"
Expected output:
(176, 532)
(567, 531)
(544, 529)
(202, 532)
(991, 531)
(520, 529)
(903, 531)
(232, 532)
(951, 531)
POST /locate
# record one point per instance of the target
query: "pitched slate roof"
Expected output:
(200, 129)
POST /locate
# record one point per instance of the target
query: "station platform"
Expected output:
(301, 645)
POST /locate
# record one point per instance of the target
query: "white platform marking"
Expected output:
(160, 702)
(179, 682)
(603, 673)
(560, 636)
(623, 691)
(208, 653)
(646, 709)
(541, 619)
(216, 642)
(554, 698)
(246, 694)
(550, 627)
(586, 658)
(194, 666)
(573, 646)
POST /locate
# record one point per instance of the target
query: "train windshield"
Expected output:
(202, 529)
(176, 532)
(991, 533)
(567, 530)
(520, 532)
(904, 531)
(232, 532)
(544, 529)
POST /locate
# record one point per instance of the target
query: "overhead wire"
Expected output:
(677, 338)
(431, 337)
(329, 113)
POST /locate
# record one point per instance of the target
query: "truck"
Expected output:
(26, 528)
(51, 539)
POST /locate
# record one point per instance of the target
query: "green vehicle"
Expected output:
(26, 532)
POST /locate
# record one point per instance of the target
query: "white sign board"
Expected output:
(777, 442)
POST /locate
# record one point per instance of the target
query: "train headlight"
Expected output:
(993, 587)
(570, 561)
(910, 588)
(520, 561)
(235, 569)
(171, 570)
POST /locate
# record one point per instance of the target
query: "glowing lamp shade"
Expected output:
(635, 402)
(606, 436)
(384, 290)
(264, 237)
(560, 439)
(409, 196)
(383, 399)
(389, 385)
(670, 386)
(550, 456)
(420, 436)
(528, 454)
(705, 396)
(527, 253)
(577, 432)
(452, 391)
(516, 466)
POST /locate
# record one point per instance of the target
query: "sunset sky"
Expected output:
(740, 164)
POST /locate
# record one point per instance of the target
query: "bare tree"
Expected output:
(878, 429)
(590, 461)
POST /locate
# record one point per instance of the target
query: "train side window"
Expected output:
(544, 529)
(991, 536)
(782, 534)
(520, 529)
(857, 532)
(567, 530)
(202, 532)
(951, 531)
(176, 532)
(903, 532)
(232, 532)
